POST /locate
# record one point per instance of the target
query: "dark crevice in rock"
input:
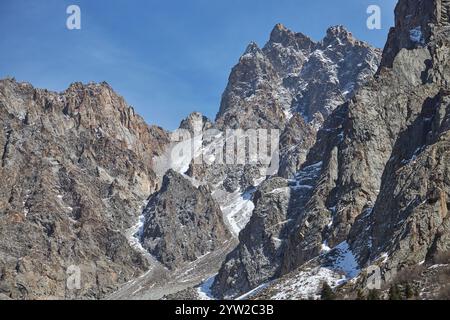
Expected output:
(6, 147)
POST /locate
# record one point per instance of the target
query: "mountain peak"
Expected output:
(195, 122)
(252, 48)
(283, 35)
(280, 27)
(338, 32)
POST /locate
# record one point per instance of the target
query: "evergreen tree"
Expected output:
(327, 293)
(409, 292)
(374, 295)
(360, 295)
(394, 293)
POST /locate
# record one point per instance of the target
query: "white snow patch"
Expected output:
(22, 115)
(385, 257)
(346, 261)
(288, 113)
(280, 190)
(258, 181)
(416, 35)
(325, 248)
(134, 235)
(413, 157)
(308, 174)
(237, 209)
(316, 166)
(307, 284)
(436, 266)
(302, 186)
(184, 152)
(26, 211)
(253, 292)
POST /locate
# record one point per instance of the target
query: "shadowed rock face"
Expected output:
(182, 223)
(415, 23)
(75, 169)
(258, 255)
(295, 141)
(444, 13)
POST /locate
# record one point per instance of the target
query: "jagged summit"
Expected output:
(284, 36)
(289, 74)
(280, 33)
(338, 32)
(252, 49)
(195, 122)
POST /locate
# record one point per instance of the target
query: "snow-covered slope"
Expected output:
(335, 268)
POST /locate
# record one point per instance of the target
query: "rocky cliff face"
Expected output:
(415, 24)
(295, 141)
(258, 251)
(265, 91)
(380, 184)
(182, 222)
(414, 188)
(75, 168)
(262, 243)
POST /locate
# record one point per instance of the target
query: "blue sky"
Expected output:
(167, 58)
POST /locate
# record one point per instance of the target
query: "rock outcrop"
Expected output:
(265, 91)
(75, 168)
(182, 222)
(257, 256)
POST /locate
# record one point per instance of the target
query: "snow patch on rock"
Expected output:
(416, 35)
(236, 207)
(306, 284)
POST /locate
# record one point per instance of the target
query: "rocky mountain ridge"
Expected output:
(292, 73)
(362, 180)
(76, 168)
